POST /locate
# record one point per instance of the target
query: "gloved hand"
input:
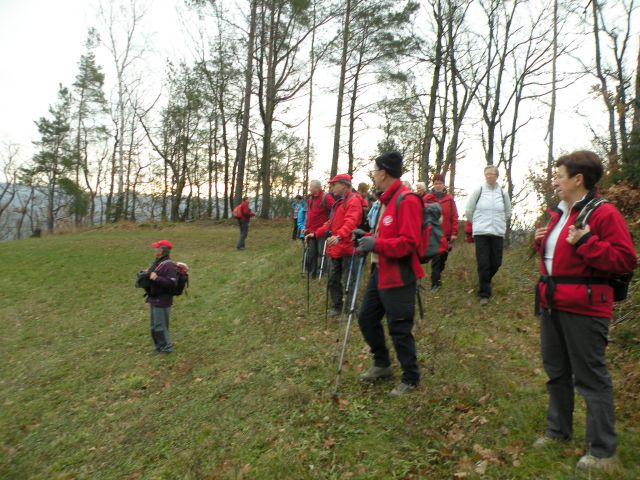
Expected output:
(366, 244)
(357, 234)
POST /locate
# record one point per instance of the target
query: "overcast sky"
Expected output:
(41, 42)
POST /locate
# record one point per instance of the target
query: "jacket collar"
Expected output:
(390, 192)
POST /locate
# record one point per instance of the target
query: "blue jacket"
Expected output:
(302, 217)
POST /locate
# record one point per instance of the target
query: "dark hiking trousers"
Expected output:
(489, 258)
(338, 276)
(314, 256)
(437, 266)
(295, 233)
(573, 353)
(399, 304)
(244, 231)
(160, 328)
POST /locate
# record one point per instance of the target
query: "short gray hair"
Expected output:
(492, 167)
(421, 186)
(315, 183)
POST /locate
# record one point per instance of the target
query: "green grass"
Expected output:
(246, 394)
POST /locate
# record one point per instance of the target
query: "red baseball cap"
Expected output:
(162, 243)
(342, 177)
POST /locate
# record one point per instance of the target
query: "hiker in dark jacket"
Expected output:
(163, 277)
(244, 217)
(395, 269)
(345, 217)
(319, 207)
(440, 195)
(577, 300)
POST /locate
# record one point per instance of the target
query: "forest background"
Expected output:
(174, 110)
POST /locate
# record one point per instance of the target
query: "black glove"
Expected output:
(366, 244)
(357, 234)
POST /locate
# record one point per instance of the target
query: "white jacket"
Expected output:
(489, 209)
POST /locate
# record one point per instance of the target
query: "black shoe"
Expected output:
(435, 288)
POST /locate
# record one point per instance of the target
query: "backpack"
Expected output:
(618, 281)
(182, 278)
(236, 213)
(432, 239)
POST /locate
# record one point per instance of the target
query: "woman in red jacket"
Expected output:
(576, 299)
(440, 195)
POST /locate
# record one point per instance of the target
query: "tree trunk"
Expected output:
(244, 135)
(343, 71)
(552, 109)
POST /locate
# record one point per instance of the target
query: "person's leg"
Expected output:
(312, 257)
(152, 327)
(160, 328)
(335, 282)
(294, 233)
(437, 266)
(244, 230)
(370, 322)
(555, 359)
(587, 339)
(497, 245)
(482, 243)
(400, 306)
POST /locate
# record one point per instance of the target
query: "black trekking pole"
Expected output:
(304, 257)
(346, 287)
(324, 255)
(420, 307)
(334, 395)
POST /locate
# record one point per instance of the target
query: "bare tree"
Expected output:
(121, 21)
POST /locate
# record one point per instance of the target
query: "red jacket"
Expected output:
(245, 211)
(606, 250)
(398, 238)
(449, 213)
(345, 218)
(317, 213)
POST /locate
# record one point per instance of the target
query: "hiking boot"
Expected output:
(544, 442)
(376, 373)
(335, 312)
(435, 288)
(595, 464)
(484, 301)
(401, 389)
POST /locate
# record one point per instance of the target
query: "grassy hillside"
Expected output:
(246, 394)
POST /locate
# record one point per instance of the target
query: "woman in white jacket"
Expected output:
(489, 210)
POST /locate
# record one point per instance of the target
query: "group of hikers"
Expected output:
(585, 245)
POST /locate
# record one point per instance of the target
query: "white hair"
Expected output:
(315, 183)
(421, 186)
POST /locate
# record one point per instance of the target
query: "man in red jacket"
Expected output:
(344, 219)
(395, 270)
(319, 207)
(244, 217)
(440, 195)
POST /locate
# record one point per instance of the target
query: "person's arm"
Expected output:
(507, 205)
(352, 218)
(409, 218)
(454, 219)
(607, 246)
(167, 275)
(472, 201)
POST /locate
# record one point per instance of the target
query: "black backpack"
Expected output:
(182, 277)
(619, 281)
